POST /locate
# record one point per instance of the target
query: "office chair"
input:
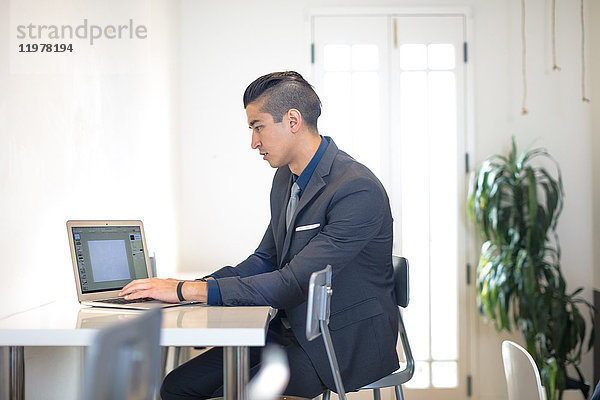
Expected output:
(123, 362)
(522, 375)
(318, 310)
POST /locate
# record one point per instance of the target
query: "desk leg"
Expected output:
(235, 373)
(17, 373)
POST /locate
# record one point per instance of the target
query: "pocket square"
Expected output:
(307, 227)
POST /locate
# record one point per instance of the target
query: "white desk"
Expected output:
(66, 323)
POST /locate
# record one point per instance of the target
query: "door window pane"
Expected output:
(429, 165)
(415, 200)
(443, 242)
(443, 374)
(336, 97)
(413, 56)
(351, 101)
(441, 56)
(365, 57)
(420, 379)
(336, 57)
(365, 119)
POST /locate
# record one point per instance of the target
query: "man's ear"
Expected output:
(295, 119)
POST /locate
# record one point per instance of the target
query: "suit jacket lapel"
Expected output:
(314, 187)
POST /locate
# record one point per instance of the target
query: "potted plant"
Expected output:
(515, 205)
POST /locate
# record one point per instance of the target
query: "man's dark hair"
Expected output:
(281, 91)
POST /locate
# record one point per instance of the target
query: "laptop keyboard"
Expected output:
(122, 300)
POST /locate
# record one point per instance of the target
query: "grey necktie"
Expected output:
(292, 204)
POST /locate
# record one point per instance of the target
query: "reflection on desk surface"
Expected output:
(100, 317)
(190, 317)
(96, 318)
(211, 317)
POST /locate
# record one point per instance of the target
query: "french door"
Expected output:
(393, 93)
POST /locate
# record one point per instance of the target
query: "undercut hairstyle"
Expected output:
(281, 91)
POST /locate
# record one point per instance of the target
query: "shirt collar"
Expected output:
(304, 177)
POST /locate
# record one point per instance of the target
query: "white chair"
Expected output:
(522, 375)
(123, 362)
(319, 294)
(272, 377)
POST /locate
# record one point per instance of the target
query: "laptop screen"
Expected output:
(108, 257)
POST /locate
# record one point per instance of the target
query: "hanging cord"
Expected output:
(523, 59)
(584, 98)
(555, 66)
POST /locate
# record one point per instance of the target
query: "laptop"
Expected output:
(107, 255)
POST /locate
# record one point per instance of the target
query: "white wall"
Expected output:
(92, 137)
(92, 142)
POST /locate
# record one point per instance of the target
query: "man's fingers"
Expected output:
(134, 286)
(160, 289)
(136, 295)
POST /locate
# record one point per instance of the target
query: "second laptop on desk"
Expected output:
(107, 255)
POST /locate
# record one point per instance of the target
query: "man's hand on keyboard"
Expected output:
(164, 290)
(160, 289)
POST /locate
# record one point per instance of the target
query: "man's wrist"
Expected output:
(195, 291)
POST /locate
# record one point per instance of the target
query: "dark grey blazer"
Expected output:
(343, 219)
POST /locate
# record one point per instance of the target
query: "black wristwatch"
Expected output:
(179, 294)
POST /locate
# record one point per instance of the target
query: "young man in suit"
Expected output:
(326, 208)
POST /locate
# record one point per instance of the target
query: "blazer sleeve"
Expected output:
(354, 218)
(264, 259)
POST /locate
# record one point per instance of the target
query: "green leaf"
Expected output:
(576, 292)
(550, 371)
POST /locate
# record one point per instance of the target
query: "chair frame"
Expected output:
(317, 320)
(318, 309)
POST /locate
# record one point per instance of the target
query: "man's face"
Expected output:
(272, 139)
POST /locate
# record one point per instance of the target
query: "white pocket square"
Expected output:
(307, 227)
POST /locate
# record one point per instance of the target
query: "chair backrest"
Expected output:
(317, 319)
(123, 362)
(401, 291)
(401, 282)
(318, 305)
(522, 375)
